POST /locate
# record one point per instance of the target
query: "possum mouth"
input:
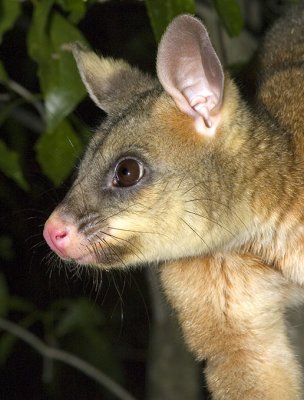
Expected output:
(101, 256)
(86, 259)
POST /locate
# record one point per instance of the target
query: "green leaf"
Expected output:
(9, 12)
(59, 79)
(37, 40)
(161, 13)
(4, 296)
(230, 14)
(76, 8)
(58, 151)
(10, 165)
(64, 88)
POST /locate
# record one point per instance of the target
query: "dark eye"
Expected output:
(128, 172)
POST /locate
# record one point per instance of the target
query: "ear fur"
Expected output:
(190, 71)
(111, 84)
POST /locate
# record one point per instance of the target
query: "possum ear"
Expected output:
(190, 71)
(111, 84)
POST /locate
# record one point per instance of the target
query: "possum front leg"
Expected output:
(231, 310)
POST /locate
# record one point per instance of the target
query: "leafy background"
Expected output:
(118, 323)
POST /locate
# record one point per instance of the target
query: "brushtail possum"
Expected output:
(185, 173)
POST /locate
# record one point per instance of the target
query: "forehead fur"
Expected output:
(152, 127)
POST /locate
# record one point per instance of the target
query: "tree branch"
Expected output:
(27, 95)
(65, 357)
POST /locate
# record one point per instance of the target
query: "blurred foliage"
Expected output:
(74, 324)
(161, 12)
(229, 12)
(9, 12)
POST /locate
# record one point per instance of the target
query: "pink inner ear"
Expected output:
(190, 71)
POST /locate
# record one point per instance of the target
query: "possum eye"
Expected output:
(128, 172)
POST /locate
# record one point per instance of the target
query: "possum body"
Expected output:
(185, 173)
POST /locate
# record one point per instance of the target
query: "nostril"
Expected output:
(57, 238)
(60, 238)
(60, 235)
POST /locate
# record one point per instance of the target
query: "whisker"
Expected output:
(193, 230)
(35, 217)
(182, 180)
(211, 220)
(193, 187)
(76, 153)
(105, 293)
(119, 301)
(135, 231)
(114, 214)
(103, 250)
(98, 282)
(220, 204)
(53, 263)
(77, 270)
(142, 297)
(96, 252)
(83, 198)
(126, 241)
(36, 245)
(116, 287)
(114, 252)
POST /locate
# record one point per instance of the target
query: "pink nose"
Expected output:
(56, 234)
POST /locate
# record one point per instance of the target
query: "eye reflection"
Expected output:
(128, 172)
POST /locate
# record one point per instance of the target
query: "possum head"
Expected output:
(155, 181)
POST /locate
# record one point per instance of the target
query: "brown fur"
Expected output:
(248, 354)
(223, 214)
